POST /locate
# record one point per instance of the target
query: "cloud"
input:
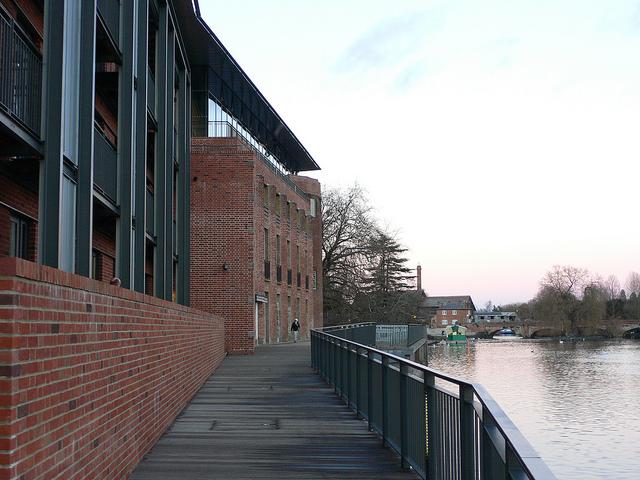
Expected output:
(389, 42)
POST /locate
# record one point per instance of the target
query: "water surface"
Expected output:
(578, 403)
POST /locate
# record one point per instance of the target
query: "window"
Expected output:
(265, 195)
(454, 312)
(266, 244)
(444, 312)
(278, 252)
(278, 200)
(312, 207)
(68, 225)
(288, 254)
(19, 237)
(298, 256)
(96, 265)
(315, 280)
(289, 211)
(445, 322)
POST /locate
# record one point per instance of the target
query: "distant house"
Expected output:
(494, 317)
(447, 310)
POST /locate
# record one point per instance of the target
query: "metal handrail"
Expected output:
(440, 434)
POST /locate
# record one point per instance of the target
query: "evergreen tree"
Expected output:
(388, 288)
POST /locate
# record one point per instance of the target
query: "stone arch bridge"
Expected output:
(622, 328)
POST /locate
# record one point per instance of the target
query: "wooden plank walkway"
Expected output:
(268, 415)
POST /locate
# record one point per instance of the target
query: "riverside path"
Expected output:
(268, 415)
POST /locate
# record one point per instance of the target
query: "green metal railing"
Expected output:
(441, 426)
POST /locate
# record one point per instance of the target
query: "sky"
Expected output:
(496, 138)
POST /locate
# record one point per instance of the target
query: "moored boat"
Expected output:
(456, 334)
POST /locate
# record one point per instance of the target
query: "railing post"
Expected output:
(404, 417)
(429, 382)
(358, 380)
(370, 389)
(467, 418)
(335, 365)
(385, 413)
(348, 351)
(341, 368)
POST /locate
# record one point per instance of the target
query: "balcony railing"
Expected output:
(440, 425)
(105, 165)
(151, 92)
(110, 12)
(226, 130)
(151, 230)
(20, 77)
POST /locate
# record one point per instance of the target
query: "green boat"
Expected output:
(456, 334)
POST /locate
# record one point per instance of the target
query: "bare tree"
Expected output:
(348, 225)
(565, 280)
(612, 287)
(558, 299)
(633, 283)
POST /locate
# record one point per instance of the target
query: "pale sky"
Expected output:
(497, 137)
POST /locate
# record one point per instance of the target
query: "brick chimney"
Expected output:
(419, 278)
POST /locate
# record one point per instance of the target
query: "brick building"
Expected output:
(99, 102)
(447, 310)
(264, 232)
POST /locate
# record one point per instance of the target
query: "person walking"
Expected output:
(295, 328)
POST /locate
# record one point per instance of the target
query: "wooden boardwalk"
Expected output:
(268, 416)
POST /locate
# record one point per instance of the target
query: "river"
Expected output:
(578, 403)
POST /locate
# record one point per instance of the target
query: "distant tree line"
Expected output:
(576, 302)
(365, 272)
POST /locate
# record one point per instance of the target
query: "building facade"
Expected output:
(99, 347)
(95, 140)
(264, 230)
(494, 316)
(95, 157)
(447, 310)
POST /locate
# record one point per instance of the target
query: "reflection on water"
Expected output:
(578, 403)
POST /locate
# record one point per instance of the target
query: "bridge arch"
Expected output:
(545, 332)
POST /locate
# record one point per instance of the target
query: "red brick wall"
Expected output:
(461, 316)
(228, 218)
(312, 187)
(91, 374)
(288, 229)
(222, 231)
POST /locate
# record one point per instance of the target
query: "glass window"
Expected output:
(444, 312)
(68, 225)
(289, 254)
(278, 252)
(312, 207)
(71, 77)
(19, 237)
(266, 244)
